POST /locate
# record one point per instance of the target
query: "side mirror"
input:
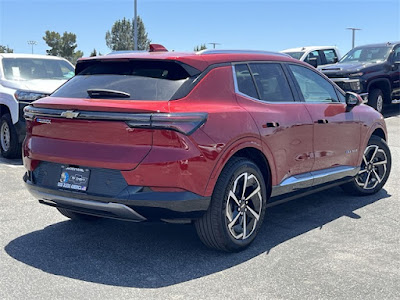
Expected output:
(313, 61)
(352, 100)
(335, 60)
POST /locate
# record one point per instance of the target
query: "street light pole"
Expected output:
(135, 29)
(214, 44)
(32, 43)
(354, 35)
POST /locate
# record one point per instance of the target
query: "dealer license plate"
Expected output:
(72, 178)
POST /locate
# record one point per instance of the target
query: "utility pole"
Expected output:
(32, 43)
(354, 35)
(135, 30)
(214, 44)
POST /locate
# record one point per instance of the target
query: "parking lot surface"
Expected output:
(326, 245)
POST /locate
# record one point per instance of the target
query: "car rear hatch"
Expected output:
(105, 116)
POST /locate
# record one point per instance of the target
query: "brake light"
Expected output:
(157, 48)
(185, 123)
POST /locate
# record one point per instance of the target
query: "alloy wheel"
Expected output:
(373, 168)
(244, 206)
(379, 103)
(5, 136)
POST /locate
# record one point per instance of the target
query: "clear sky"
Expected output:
(180, 25)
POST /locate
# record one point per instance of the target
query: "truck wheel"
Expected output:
(374, 170)
(9, 146)
(237, 208)
(375, 99)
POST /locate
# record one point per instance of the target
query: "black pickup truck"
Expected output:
(373, 71)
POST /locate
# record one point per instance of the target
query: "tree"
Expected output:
(200, 47)
(95, 53)
(121, 36)
(5, 49)
(63, 46)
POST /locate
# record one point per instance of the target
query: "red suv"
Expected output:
(210, 138)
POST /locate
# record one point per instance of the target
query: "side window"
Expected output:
(342, 98)
(314, 87)
(271, 82)
(330, 56)
(313, 56)
(245, 81)
(396, 54)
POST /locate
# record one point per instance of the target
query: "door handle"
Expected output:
(322, 121)
(271, 124)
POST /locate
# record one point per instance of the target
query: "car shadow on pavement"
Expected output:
(12, 162)
(152, 255)
(391, 111)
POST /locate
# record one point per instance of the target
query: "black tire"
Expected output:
(376, 100)
(9, 145)
(374, 171)
(76, 216)
(217, 228)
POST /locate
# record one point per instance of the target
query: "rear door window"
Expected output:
(271, 82)
(126, 79)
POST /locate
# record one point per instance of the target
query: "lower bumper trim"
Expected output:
(110, 209)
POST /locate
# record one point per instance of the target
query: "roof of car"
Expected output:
(200, 60)
(388, 44)
(308, 48)
(25, 55)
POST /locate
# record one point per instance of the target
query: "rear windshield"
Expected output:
(36, 68)
(127, 80)
(296, 55)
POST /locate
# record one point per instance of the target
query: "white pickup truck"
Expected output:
(23, 79)
(315, 55)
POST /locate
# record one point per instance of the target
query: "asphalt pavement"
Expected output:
(323, 246)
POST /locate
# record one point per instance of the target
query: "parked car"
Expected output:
(210, 138)
(23, 79)
(373, 71)
(315, 55)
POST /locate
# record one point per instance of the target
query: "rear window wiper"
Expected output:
(99, 93)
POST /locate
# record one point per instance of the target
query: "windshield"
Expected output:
(296, 55)
(130, 80)
(367, 54)
(36, 68)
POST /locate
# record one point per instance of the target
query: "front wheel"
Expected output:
(237, 208)
(374, 170)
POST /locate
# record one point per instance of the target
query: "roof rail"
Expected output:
(214, 51)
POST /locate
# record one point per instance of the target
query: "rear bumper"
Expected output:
(135, 204)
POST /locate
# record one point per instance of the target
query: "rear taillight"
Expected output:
(186, 123)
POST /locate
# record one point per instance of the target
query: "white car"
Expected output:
(315, 55)
(23, 79)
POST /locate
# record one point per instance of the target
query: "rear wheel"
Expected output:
(375, 99)
(9, 146)
(237, 208)
(76, 216)
(374, 171)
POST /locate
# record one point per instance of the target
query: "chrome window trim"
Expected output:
(313, 178)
